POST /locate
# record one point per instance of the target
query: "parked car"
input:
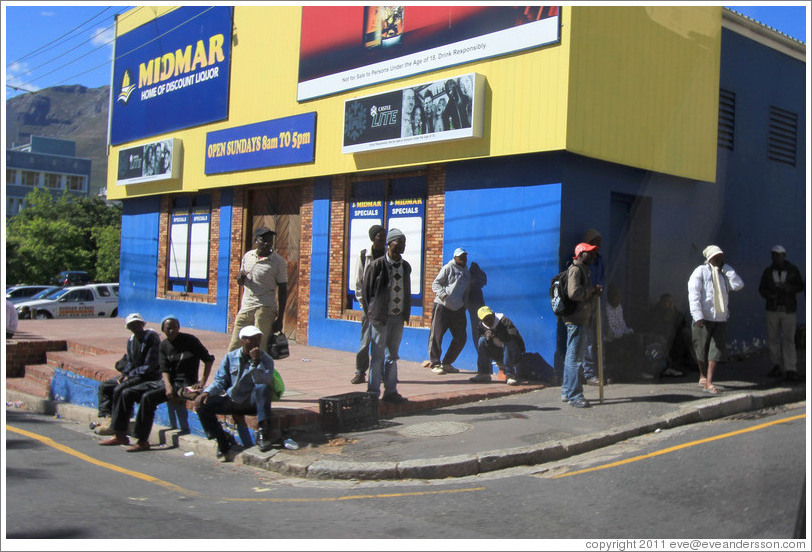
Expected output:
(18, 294)
(93, 300)
(72, 278)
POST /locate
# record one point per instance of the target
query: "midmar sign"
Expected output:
(438, 111)
(172, 73)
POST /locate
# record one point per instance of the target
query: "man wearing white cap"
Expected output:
(708, 289)
(140, 372)
(779, 284)
(451, 288)
(242, 385)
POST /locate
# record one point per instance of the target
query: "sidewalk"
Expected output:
(452, 427)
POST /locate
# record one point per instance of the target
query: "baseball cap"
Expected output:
(460, 251)
(581, 247)
(250, 331)
(261, 231)
(133, 317)
(778, 249)
(483, 312)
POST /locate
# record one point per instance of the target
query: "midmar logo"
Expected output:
(126, 88)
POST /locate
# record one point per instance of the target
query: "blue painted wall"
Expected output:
(139, 261)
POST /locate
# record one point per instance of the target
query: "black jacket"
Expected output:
(505, 330)
(781, 297)
(375, 290)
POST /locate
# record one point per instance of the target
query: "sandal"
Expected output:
(711, 389)
(703, 382)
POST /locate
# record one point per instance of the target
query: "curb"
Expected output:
(313, 466)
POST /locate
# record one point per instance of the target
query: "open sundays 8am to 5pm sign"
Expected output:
(172, 73)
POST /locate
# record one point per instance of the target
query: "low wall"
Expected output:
(19, 353)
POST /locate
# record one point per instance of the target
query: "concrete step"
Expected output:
(39, 373)
(29, 387)
(99, 367)
(87, 349)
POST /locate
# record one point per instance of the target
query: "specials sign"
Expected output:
(172, 73)
(443, 110)
(150, 162)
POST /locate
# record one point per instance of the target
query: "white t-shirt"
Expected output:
(263, 275)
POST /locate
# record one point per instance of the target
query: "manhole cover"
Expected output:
(435, 429)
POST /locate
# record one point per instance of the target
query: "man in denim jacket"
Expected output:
(242, 385)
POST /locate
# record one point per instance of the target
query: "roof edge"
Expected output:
(763, 34)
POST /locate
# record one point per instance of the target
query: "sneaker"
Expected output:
(225, 445)
(140, 446)
(358, 378)
(592, 381)
(264, 441)
(104, 430)
(438, 370)
(580, 403)
(672, 373)
(792, 375)
(394, 398)
(448, 369)
(512, 381)
(564, 399)
(775, 372)
(480, 378)
(115, 441)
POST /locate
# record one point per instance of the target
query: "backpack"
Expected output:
(560, 302)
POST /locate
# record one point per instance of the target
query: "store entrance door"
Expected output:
(278, 209)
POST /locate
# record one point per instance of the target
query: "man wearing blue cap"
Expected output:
(451, 297)
(386, 300)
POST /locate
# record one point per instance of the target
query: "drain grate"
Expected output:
(435, 429)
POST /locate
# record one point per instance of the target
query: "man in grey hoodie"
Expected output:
(451, 297)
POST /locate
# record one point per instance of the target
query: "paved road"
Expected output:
(709, 480)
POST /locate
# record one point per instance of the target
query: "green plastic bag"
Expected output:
(278, 386)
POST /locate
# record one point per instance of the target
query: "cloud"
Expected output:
(14, 81)
(103, 36)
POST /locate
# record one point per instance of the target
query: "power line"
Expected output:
(58, 38)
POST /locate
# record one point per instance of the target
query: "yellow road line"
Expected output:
(175, 488)
(683, 446)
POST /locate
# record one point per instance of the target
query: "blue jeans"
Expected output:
(590, 361)
(362, 356)
(571, 388)
(259, 404)
(383, 362)
(508, 355)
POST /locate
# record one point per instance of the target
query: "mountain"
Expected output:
(71, 112)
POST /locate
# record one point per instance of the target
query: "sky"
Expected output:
(48, 45)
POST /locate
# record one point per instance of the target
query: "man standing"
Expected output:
(264, 273)
(242, 385)
(139, 374)
(579, 323)
(779, 284)
(377, 234)
(451, 296)
(708, 289)
(499, 340)
(597, 275)
(386, 300)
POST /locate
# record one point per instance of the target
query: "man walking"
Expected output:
(386, 300)
(779, 284)
(451, 296)
(708, 289)
(377, 234)
(579, 323)
(597, 275)
(499, 340)
(264, 273)
(242, 385)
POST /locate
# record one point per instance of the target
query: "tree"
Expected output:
(60, 233)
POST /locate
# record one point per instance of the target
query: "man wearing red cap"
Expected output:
(579, 323)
